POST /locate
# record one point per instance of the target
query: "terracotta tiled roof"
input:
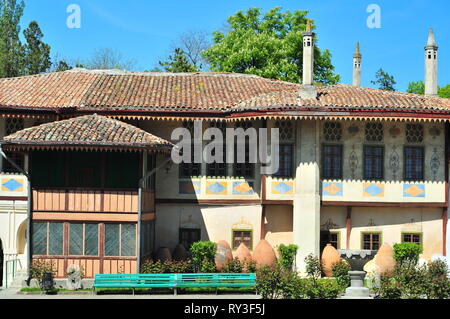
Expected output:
(88, 130)
(219, 92)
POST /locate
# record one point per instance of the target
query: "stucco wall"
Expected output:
(278, 225)
(215, 222)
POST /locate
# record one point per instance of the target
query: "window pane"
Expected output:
(128, 240)
(55, 244)
(285, 161)
(373, 162)
(39, 238)
(91, 240)
(332, 161)
(242, 237)
(76, 239)
(112, 237)
(414, 163)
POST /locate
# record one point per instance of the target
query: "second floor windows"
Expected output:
(332, 162)
(414, 163)
(190, 169)
(373, 162)
(285, 168)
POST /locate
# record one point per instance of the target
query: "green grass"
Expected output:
(30, 289)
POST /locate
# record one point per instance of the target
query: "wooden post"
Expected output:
(444, 231)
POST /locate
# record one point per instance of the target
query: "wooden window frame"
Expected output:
(291, 173)
(341, 175)
(411, 233)
(182, 229)
(241, 230)
(380, 233)
(365, 177)
(83, 239)
(338, 241)
(136, 238)
(404, 163)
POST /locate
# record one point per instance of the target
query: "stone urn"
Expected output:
(243, 253)
(384, 259)
(223, 254)
(179, 253)
(73, 277)
(330, 256)
(163, 254)
(357, 258)
(263, 254)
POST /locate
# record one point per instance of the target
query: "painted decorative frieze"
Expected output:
(413, 190)
(216, 188)
(189, 187)
(332, 189)
(12, 184)
(242, 188)
(283, 188)
(373, 190)
(435, 163)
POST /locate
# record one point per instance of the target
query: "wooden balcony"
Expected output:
(85, 200)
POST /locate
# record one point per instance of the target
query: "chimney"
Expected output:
(308, 90)
(357, 57)
(431, 66)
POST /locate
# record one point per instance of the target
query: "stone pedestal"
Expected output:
(357, 289)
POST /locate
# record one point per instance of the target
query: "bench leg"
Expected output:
(175, 292)
(132, 290)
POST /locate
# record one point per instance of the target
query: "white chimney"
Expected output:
(431, 66)
(357, 57)
(308, 90)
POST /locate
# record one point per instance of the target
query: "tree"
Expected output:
(419, 88)
(194, 43)
(416, 87)
(268, 45)
(384, 80)
(107, 58)
(11, 50)
(62, 66)
(444, 91)
(178, 62)
(37, 53)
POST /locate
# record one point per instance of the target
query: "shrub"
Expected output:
(323, 289)
(313, 267)
(39, 268)
(407, 253)
(340, 272)
(203, 252)
(287, 255)
(167, 267)
(233, 266)
(249, 266)
(208, 266)
(438, 268)
(269, 283)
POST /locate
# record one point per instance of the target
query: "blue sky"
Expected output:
(144, 30)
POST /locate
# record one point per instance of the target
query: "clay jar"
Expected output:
(384, 259)
(330, 256)
(263, 254)
(223, 254)
(243, 253)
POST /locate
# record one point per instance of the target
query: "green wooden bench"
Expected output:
(174, 281)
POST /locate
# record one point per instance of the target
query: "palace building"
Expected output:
(87, 177)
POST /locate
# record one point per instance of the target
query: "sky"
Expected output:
(145, 30)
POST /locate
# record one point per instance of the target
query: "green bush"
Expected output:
(407, 253)
(313, 266)
(233, 266)
(340, 272)
(203, 254)
(167, 267)
(287, 255)
(411, 281)
(269, 283)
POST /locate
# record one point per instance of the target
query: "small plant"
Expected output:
(233, 266)
(407, 253)
(39, 268)
(269, 282)
(203, 252)
(287, 255)
(166, 267)
(313, 267)
(340, 272)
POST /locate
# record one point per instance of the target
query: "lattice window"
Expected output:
(120, 239)
(246, 169)
(83, 239)
(373, 162)
(218, 169)
(242, 236)
(91, 239)
(332, 131)
(190, 169)
(414, 163)
(55, 239)
(286, 130)
(13, 125)
(374, 132)
(76, 239)
(39, 238)
(414, 133)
